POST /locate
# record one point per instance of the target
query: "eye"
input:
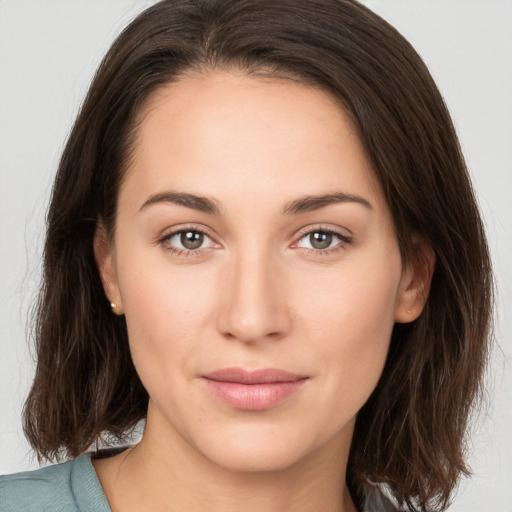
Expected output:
(188, 240)
(322, 240)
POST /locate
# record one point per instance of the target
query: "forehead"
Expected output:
(226, 132)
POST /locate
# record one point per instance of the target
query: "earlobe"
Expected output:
(105, 261)
(415, 284)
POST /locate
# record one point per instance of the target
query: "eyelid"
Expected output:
(327, 229)
(164, 238)
(344, 238)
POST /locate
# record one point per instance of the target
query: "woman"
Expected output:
(263, 240)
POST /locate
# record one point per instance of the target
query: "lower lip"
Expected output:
(253, 397)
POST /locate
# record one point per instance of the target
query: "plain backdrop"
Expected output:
(49, 50)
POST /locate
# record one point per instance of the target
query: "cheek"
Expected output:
(352, 321)
(166, 311)
(355, 303)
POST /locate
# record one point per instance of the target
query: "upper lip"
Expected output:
(260, 376)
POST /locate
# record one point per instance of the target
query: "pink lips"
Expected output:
(252, 390)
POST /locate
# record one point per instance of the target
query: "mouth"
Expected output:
(253, 390)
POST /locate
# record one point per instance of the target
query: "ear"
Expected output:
(105, 261)
(415, 283)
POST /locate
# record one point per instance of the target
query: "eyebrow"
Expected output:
(203, 204)
(302, 205)
(312, 203)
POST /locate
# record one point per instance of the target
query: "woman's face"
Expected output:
(256, 263)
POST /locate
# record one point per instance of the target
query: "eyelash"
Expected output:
(344, 240)
(165, 241)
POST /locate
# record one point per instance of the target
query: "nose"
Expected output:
(253, 305)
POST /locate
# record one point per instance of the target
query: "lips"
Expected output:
(254, 390)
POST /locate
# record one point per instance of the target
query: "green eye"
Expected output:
(188, 240)
(191, 239)
(320, 239)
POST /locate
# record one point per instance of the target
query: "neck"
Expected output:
(164, 469)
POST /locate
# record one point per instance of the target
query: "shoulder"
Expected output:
(67, 487)
(46, 488)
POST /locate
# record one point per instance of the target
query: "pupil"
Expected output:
(320, 240)
(191, 239)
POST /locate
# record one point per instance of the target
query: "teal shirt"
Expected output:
(69, 487)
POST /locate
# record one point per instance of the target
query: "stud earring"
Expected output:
(113, 306)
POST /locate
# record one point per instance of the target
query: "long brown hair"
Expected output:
(409, 436)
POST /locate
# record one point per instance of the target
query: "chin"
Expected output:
(255, 458)
(257, 448)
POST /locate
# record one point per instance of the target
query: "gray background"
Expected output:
(48, 52)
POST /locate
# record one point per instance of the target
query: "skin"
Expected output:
(256, 294)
